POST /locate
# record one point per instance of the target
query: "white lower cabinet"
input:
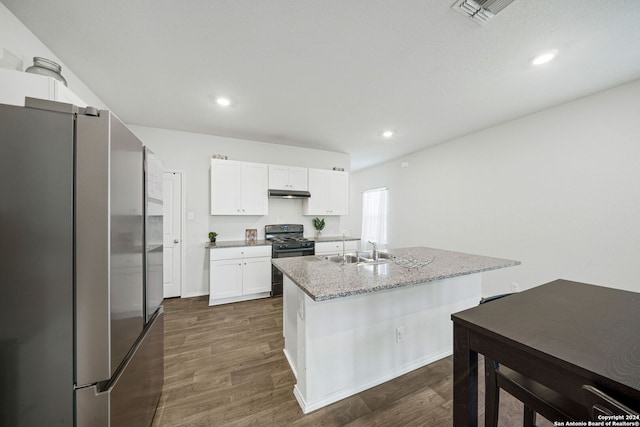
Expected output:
(238, 274)
(332, 248)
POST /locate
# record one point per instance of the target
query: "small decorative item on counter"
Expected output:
(219, 156)
(212, 236)
(46, 67)
(318, 224)
(251, 235)
(338, 169)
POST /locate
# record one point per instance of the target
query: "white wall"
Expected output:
(191, 153)
(558, 190)
(17, 41)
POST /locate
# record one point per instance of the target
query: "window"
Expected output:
(374, 216)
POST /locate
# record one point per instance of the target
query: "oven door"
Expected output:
(276, 275)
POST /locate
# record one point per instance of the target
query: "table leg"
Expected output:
(465, 379)
(491, 393)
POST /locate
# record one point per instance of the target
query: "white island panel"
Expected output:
(340, 347)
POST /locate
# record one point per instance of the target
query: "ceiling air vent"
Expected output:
(481, 11)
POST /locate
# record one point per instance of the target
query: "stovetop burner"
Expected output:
(287, 236)
(289, 239)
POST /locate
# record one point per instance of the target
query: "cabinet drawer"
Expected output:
(256, 251)
(240, 252)
(336, 247)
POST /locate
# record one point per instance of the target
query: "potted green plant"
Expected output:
(212, 236)
(318, 224)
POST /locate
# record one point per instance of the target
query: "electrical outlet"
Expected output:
(400, 334)
(515, 287)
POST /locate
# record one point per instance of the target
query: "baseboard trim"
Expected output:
(308, 407)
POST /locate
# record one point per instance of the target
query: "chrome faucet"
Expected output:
(376, 255)
(344, 255)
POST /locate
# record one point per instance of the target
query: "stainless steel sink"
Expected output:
(348, 259)
(361, 258)
(381, 255)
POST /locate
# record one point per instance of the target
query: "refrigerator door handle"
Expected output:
(131, 397)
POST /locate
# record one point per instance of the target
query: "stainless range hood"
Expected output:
(289, 194)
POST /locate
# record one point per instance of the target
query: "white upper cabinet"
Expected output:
(288, 178)
(239, 188)
(16, 85)
(329, 193)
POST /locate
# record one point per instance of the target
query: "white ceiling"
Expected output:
(333, 74)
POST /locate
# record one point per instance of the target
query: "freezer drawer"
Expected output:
(132, 398)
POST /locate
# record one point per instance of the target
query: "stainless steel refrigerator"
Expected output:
(79, 345)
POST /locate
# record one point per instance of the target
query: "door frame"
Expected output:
(182, 225)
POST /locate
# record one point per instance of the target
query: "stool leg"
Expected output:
(529, 419)
(491, 394)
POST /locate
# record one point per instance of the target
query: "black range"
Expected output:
(287, 240)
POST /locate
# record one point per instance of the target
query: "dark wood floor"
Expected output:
(224, 366)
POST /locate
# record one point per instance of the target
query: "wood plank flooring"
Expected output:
(224, 366)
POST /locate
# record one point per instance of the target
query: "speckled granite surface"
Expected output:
(236, 244)
(324, 280)
(240, 243)
(332, 238)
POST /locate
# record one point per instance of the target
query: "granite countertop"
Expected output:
(331, 239)
(221, 244)
(324, 280)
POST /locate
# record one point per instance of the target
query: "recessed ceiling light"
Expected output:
(544, 57)
(388, 133)
(225, 102)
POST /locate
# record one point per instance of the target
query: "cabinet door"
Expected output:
(278, 177)
(256, 275)
(16, 85)
(298, 178)
(338, 193)
(255, 192)
(64, 94)
(225, 279)
(318, 203)
(226, 187)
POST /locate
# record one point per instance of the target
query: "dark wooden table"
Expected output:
(562, 334)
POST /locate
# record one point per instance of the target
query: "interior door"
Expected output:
(172, 195)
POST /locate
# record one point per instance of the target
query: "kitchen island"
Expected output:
(349, 327)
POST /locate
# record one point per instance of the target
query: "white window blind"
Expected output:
(374, 216)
